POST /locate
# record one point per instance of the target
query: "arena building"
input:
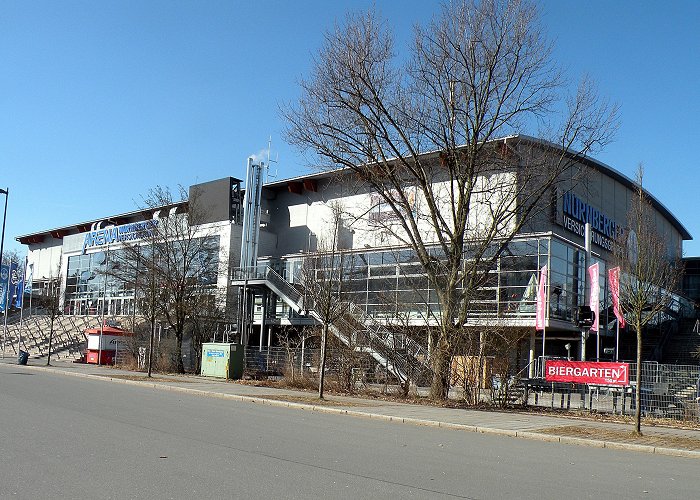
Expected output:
(264, 239)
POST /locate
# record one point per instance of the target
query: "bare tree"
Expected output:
(135, 265)
(348, 362)
(487, 362)
(482, 70)
(175, 268)
(649, 274)
(322, 279)
(53, 302)
(291, 341)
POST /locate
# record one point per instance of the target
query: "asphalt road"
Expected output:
(67, 437)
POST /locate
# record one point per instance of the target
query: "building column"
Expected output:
(531, 356)
(262, 318)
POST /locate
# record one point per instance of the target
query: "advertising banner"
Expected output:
(28, 278)
(614, 280)
(109, 342)
(541, 308)
(594, 298)
(587, 372)
(4, 285)
(10, 277)
(19, 287)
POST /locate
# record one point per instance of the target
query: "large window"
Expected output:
(96, 280)
(91, 283)
(392, 284)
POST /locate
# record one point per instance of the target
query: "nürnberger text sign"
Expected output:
(588, 372)
(576, 213)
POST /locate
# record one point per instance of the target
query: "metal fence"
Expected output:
(345, 366)
(667, 391)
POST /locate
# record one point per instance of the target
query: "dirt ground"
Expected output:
(310, 400)
(623, 436)
(145, 378)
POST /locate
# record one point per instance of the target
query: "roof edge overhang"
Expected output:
(582, 158)
(81, 227)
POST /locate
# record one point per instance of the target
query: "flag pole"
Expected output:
(21, 296)
(546, 315)
(31, 291)
(104, 305)
(542, 308)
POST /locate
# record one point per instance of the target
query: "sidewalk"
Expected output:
(569, 430)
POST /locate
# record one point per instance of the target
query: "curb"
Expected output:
(536, 436)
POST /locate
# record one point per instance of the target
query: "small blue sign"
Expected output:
(215, 354)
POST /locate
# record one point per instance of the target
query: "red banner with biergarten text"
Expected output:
(587, 372)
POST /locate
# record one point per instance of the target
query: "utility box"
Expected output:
(222, 360)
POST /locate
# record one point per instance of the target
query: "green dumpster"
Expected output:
(222, 360)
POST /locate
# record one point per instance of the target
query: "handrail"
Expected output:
(283, 285)
(415, 348)
(397, 365)
(379, 338)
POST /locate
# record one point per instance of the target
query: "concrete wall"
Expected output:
(45, 258)
(305, 222)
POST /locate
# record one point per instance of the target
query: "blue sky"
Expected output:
(102, 100)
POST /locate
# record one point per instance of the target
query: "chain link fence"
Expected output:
(667, 391)
(347, 367)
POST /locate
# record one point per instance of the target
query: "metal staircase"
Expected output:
(399, 353)
(682, 346)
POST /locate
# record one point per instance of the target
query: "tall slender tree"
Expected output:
(650, 272)
(322, 279)
(53, 301)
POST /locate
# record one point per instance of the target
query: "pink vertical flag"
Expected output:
(614, 281)
(541, 310)
(594, 297)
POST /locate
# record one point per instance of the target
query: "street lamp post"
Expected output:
(6, 192)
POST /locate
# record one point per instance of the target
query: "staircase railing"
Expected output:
(385, 335)
(354, 333)
(284, 286)
(379, 338)
(68, 335)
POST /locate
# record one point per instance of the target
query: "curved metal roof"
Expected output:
(586, 160)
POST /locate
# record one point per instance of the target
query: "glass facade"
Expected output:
(390, 284)
(88, 285)
(93, 279)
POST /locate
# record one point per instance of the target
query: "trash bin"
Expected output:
(22, 357)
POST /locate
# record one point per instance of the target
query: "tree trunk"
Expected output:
(638, 389)
(290, 357)
(322, 363)
(179, 366)
(150, 346)
(480, 382)
(440, 359)
(48, 358)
